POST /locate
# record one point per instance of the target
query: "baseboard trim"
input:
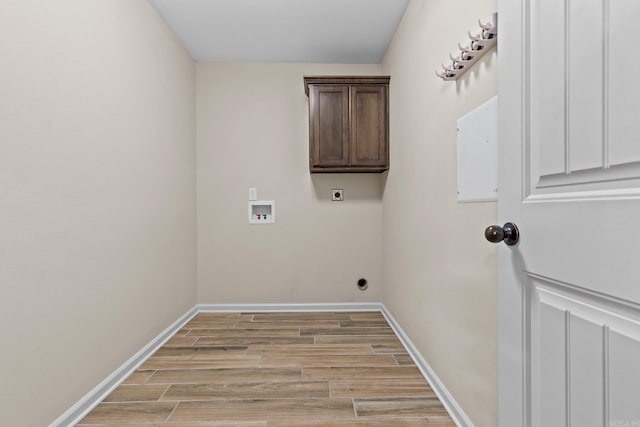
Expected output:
(89, 401)
(102, 390)
(455, 410)
(274, 308)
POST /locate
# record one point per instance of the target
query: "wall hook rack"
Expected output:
(479, 45)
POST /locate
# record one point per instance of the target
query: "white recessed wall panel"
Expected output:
(477, 151)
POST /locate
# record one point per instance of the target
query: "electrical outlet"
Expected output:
(337, 194)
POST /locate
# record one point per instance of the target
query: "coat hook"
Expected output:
(488, 30)
(448, 71)
(476, 45)
(456, 58)
(447, 74)
(468, 55)
(486, 26)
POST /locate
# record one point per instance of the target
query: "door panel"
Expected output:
(329, 121)
(569, 177)
(585, 355)
(547, 103)
(583, 59)
(624, 85)
(368, 126)
(584, 90)
(550, 358)
(585, 372)
(624, 374)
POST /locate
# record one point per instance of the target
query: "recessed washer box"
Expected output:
(262, 212)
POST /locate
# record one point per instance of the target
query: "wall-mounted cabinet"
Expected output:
(348, 123)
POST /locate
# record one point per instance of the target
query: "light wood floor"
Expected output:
(276, 369)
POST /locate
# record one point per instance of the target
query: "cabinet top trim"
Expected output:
(353, 80)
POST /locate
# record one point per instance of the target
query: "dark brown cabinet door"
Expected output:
(368, 143)
(329, 126)
(348, 123)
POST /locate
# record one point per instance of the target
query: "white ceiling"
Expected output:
(331, 31)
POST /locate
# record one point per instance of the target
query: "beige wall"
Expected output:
(439, 273)
(97, 195)
(98, 138)
(252, 131)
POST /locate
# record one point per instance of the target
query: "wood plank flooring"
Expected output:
(276, 370)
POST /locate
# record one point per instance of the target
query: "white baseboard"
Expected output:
(89, 401)
(102, 390)
(274, 308)
(455, 410)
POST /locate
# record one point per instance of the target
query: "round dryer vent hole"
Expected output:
(362, 284)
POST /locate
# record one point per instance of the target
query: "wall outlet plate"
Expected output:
(337, 194)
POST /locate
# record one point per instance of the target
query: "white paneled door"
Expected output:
(569, 178)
